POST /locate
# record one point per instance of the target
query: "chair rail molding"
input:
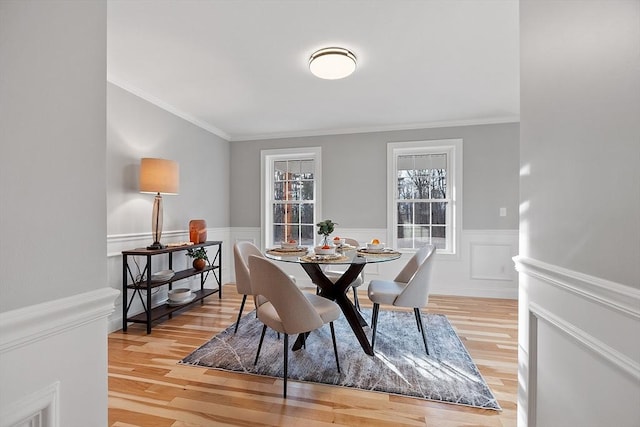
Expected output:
(34, 323)
(576, 332)
(610, 294)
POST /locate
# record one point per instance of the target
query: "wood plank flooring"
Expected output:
(148, 388)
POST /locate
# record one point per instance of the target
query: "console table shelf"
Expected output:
(144, 284)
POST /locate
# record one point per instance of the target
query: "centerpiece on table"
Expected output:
(325, 228)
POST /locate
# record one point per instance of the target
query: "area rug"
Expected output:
(400, 365)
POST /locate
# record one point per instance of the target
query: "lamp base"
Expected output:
(156, 245)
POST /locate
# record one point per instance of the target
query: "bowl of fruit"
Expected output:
(289, 244)
(375, 245)
(325, 250)
(338, 241)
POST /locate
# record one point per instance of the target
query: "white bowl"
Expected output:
(376, 246)
(289, 245)
(161, 276)
(338, 242)
(319, 251)
(179, 295)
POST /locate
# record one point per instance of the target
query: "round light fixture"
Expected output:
(332, 63)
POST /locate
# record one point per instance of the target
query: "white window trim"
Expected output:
(453, 147)
(267, 158)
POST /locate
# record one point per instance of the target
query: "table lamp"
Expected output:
(158, 176)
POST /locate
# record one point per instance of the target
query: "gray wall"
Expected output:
(52, 150)
(135, 129)
(354, 175)
(580, 137)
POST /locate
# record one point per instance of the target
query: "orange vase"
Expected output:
(199, 264)
(198, 231)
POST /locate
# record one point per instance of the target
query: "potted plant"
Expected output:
(325, 228)
(200, 258)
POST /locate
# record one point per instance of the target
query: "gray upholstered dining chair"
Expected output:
(241, 253)
(334, 275)
(287, 309)
(410, 288)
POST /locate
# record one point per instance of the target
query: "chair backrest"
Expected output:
(241, 253)
(352, 242)
(416, 293)
(296, 313)
(412, 265)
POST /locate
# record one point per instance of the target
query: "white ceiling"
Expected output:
(240, 68)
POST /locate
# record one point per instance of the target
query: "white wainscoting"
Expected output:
(121, 242)
(484, 267)
(49, 380)
(579, 351)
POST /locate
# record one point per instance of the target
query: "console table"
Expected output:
(143, 281)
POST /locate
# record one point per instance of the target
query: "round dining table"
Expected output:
(355, 259)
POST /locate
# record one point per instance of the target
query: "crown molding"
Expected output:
(372, 129)
(304, 133)
(169, 108)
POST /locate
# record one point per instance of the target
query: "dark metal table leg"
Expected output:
(337, 292)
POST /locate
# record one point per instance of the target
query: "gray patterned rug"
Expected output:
(400, 365)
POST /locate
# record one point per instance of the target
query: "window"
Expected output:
(425, 193)
(291, 189)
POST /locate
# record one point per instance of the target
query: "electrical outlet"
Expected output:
(503, 211)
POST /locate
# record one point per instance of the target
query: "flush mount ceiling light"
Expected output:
(332, 63)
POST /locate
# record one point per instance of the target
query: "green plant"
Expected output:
(198, 253)
(325, 228)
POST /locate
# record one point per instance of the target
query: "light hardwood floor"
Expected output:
(148, 388)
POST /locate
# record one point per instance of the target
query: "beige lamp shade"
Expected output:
(159, 176)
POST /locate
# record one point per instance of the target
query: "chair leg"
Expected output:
(335, 348)
(244, 299)
(356, 303)
(286, 363)
(264, 329)
(421, 326)
(417, 316)
(374, 323)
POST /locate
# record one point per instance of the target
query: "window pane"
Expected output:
(290, 213)
(307, 190)
(306, 213)
(306, 169)
(405, 237)
(406, 188)
(439, 213)
(422, 236)
(422, 213)
(278, 191)
(439, 237)
(278, 213)
(280, 171)
(294, 169)
(438, 183)
(278, 234)
(293, 190)
(292, 232)
(405, 213)
(307, 235)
